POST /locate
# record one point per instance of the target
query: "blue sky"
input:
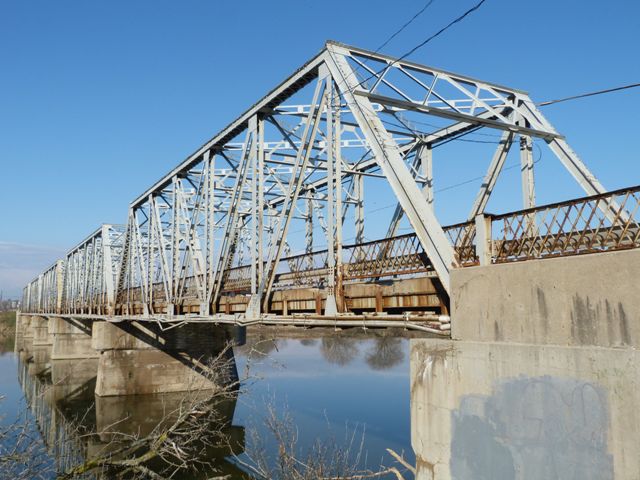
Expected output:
(100, 99)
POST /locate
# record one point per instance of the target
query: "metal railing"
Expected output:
(597, 223)
(399, 255)
(462, 237)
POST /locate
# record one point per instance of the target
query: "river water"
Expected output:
(474, 410)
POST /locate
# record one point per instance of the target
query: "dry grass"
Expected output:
(7, 331)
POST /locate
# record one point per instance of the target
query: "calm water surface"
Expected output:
(337, 389)
(474, 410)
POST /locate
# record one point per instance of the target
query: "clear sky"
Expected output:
(99, 99)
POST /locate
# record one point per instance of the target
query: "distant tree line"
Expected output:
(9, 305)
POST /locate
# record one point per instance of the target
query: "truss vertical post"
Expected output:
(107, 269)
(253, 308)
(483, 239)
(330, 305)
(59, 285)
(570, 159)
(150, 254)
(309, 231)
(425, 153)
(489, 181)
(175, 242)
(209, 229)
(526, 167)
(253, 155)
(528, 184)
(359, 214)
(40, 277)
(260, 208)
(334, 104)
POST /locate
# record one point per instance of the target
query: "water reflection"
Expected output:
(478, 410)
(339, 350)
(333, 383)
(327, 378)
(489, 411)
(76, 426)
(386, 353)
(259, 346)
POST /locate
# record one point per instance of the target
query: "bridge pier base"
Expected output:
(73, 378)
(71, 339)
(18, 345)
(25, 329)
(494, 410)
(140, 358)
(39, 359)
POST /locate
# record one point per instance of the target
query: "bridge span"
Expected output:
(265, 222)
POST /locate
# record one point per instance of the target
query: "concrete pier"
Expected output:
(40, 327)
(71, 339)
(18, 345)
(497, 410)
(73, 378)
(25, 328)
(76, 426)
(39, 359)
(140, 358)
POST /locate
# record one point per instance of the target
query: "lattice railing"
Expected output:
(390, 256)
(401, 255)
(591, 224)
(463, 238)
(237, 279)
(306, 270)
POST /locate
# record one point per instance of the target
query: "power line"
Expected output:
(590, 94)
(423, 43)
(386, 42)
(395, 34)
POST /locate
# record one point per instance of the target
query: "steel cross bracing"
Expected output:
(234, 215)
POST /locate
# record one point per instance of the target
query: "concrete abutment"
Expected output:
(581, 300)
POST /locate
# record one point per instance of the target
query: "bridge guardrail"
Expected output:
(597, 223)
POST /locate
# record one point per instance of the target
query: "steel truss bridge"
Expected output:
(233, 229)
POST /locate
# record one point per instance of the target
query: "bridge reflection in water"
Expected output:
(507, 411)
(77, 426)
(478, 410)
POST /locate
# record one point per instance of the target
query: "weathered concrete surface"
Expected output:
(40, 327)
(71, 339)
(524, 412)
(25, 327)
(583, 300)
(109, 336)
(19, 343)
(140, 358)
(39, 359)
(73, 378)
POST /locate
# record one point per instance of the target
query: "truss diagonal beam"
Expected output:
(389, 157)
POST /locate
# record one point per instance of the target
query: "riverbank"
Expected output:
(7, 331)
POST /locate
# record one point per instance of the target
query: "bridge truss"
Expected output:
(238, 218)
